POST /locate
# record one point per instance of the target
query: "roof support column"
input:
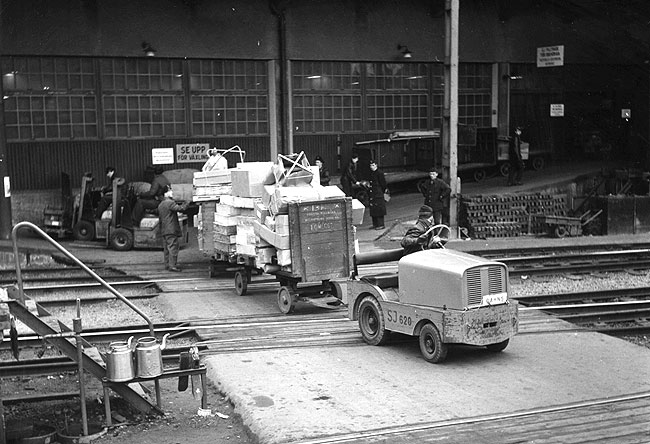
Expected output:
(450, 111)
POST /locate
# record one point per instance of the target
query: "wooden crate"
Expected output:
(321, 238)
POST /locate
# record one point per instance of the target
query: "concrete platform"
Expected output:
(301, 393)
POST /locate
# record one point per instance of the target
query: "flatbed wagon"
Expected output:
(318, 249)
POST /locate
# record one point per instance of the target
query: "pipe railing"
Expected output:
(55, 244)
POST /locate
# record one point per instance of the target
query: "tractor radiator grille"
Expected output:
(482, 281)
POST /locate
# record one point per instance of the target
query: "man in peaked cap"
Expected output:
(418, 237)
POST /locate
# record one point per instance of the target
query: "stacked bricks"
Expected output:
(508, 215)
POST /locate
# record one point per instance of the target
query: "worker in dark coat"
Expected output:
(416, 238)
(378, 189)
(323, 172)
(170, 228)
(149, 200)
(436, 195)
(515, 159)
(349, 177)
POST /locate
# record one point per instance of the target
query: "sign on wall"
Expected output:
(162, 156)
(192, 152)
(557, 109)
(550, 56)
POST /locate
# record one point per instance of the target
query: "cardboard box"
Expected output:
(249, 177)
(246, 249)
(265, 255)
(227, 210)
(183, 191)
(285, 195)
(214, 177)
(238, 201)
(282, 223)
(329, 192)
(224, 229)
(267, 194)
(243, 238)
(358, 210)
(225, 238)
(225, 248)
(284, 257)
(261, 211)
(225, 221)
(280, 241)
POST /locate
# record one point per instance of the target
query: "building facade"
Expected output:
(90, 83)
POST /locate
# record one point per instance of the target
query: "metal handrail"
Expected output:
(56, 245)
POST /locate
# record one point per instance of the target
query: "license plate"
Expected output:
(495, 299)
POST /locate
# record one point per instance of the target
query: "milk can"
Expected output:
(119, 361)
(148, 356)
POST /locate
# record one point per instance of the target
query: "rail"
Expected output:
(55, 244)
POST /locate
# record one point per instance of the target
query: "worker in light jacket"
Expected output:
(170, 228)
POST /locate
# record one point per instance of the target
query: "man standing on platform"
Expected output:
(170, 228)
(436, 195)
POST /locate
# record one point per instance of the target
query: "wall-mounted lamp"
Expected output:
(512, 77)
(405, 51)
(148, 50)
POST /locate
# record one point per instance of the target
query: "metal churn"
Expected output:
(119, 363)
(148, 356)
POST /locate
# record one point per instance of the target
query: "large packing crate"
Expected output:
(321, 239)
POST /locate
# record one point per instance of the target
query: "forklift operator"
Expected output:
(419, 236)
(107, 193)
(149, 200)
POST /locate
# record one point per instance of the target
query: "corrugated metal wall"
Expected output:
(38, 165)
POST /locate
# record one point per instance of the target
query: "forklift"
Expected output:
(115, 226)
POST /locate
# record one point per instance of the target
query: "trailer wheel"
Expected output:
(479, 175)
(371, 322)
(560, 231)
(286, 300)
(504, 169)
(84, 231)
(538, 163)
(499, 346)
(241, 282)
(431, 345)
(121, 239)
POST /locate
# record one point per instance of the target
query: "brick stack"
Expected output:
(508, 215)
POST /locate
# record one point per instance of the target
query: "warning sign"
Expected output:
(194, 152)
(550, 56)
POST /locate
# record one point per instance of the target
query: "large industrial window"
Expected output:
(143, 98)
(474, 94)
(326, 97)
(49, 98)
(229, 97)
(397, 96)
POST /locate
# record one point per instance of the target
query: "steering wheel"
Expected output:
(439, 236)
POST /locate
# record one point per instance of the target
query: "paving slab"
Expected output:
(302, 393)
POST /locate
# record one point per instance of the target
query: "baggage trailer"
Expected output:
(321, 247)
(441, 296)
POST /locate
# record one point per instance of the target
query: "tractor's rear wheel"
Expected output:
(371, 322)
(431, 345)
(84, 231)
(121, 239)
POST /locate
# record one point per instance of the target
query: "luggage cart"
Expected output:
(321, 245)
(562, 226)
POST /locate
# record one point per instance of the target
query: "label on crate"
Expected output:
(319, 217)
